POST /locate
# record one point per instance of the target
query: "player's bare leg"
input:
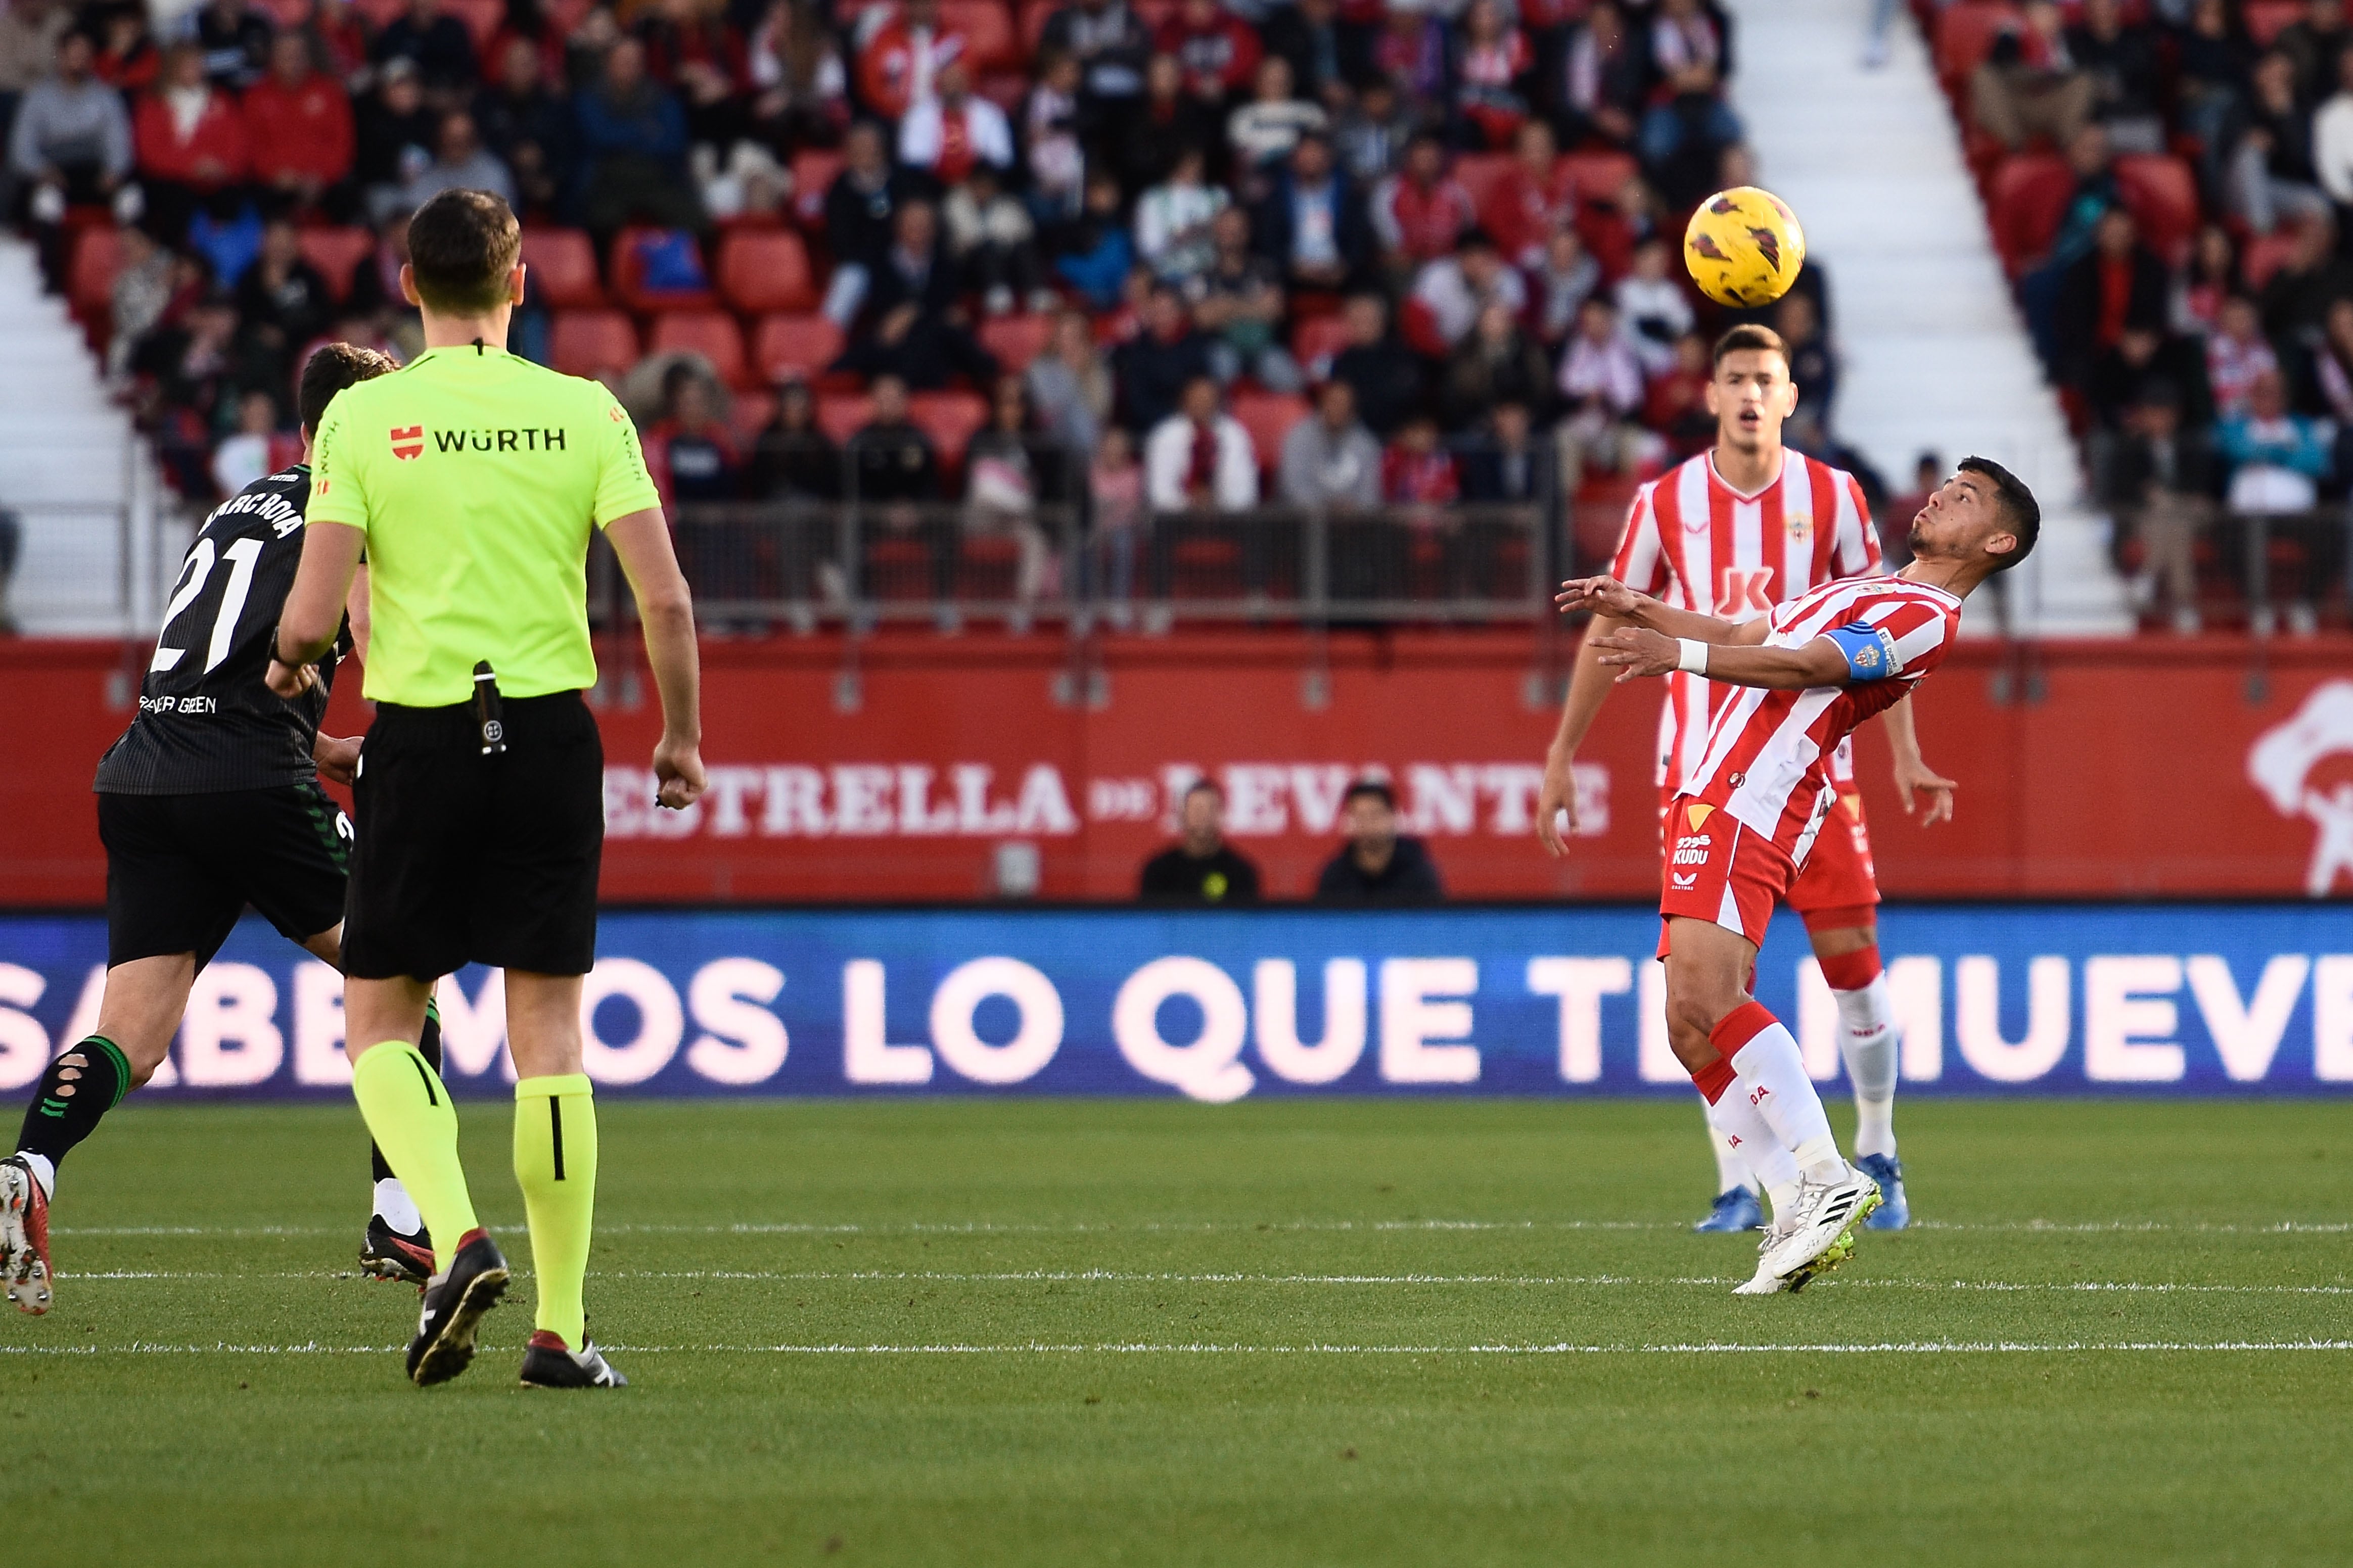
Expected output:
(1871, 1046)
(137, 1017)
(1738, 1052)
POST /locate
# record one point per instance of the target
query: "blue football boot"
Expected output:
(1735, 1210)
(1894, 1212)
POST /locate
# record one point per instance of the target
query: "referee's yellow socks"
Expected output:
(409, 1116)
(555, 1164)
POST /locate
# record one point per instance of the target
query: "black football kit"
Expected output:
(210, 800)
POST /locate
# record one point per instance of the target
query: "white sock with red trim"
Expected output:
(1731, 1169)
(1746, 1140)
(1765, 1057)
(1869, 1042)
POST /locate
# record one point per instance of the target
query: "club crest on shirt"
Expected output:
(407, 441)
(1801, 526)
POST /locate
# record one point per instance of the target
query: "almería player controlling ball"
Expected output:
(1738, 833)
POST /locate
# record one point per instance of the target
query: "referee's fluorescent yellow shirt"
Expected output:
(475, 477)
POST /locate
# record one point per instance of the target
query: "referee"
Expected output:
(472, 478)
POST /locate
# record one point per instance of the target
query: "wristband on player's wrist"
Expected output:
(1691, 656)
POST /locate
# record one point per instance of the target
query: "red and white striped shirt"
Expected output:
(1700, 545)
(1768, 752)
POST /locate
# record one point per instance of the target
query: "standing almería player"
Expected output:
(209, 801)
(474, 481)
(1758, 803)
(1735, 532)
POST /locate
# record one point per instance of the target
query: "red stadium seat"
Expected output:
(2162, 193)
(1477, 173)
(795, 347)
(1597, 176)
(766, 270)
(336, 253)
(593, 343)
(711, 333)
(628, 272)
(814, 169)
(1315, 341)
(1267, 417)
(2266, 254)
(2030, 196)
(843, 414)
(950, 419)
(1015, 339)
(2267, 19)
(90, 285)
(1035, 14)
(1964, 35)
(483, 17)
(988, 31)
(562, 264)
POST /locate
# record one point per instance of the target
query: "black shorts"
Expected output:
(467, 858)
(180, 868)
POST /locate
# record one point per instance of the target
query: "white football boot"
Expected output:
(1765, 1283)
(1823, 1227)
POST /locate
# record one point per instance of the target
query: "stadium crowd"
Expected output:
(2171, 187)
(1174, 254)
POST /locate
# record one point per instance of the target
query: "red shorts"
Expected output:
(1721, 871)
(1838, 886)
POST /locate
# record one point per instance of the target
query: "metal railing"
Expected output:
(864, 562)
(801, 565)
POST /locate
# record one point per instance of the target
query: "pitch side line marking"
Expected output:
(983, 1227)
(1118, 1277)
(1912, 1347)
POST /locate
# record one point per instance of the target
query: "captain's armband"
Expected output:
(1870, 651)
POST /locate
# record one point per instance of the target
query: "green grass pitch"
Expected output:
(1337, 1333)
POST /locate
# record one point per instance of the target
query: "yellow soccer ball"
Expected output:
(1744, 247)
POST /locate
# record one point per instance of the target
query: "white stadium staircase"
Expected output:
(1934, 355)
(73, 470)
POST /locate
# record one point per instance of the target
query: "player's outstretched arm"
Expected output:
(1638, 651)
(1605, 596)
(313, 611)
(1913, 776)
(641, 540)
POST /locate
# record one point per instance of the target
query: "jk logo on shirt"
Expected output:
(1744, 588)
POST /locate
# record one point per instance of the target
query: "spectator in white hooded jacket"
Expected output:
(1199, 457)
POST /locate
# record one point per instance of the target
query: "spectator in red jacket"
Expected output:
(1420, 213)
(299, 123)
(1218, 50)
(899, 64)
(191, 139)
(1416, 470)
(1531, 201)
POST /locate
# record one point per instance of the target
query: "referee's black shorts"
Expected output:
(180, 868)
(467, 858)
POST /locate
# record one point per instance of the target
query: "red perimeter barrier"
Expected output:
(2097, 769)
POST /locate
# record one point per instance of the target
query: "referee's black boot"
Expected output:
(387, 1254)
(454, 1301)
(549, 1363)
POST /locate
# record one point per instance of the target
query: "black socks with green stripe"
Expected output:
(428, 1045)
(79, 1087)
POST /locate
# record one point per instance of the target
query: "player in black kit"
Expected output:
(210, 801)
